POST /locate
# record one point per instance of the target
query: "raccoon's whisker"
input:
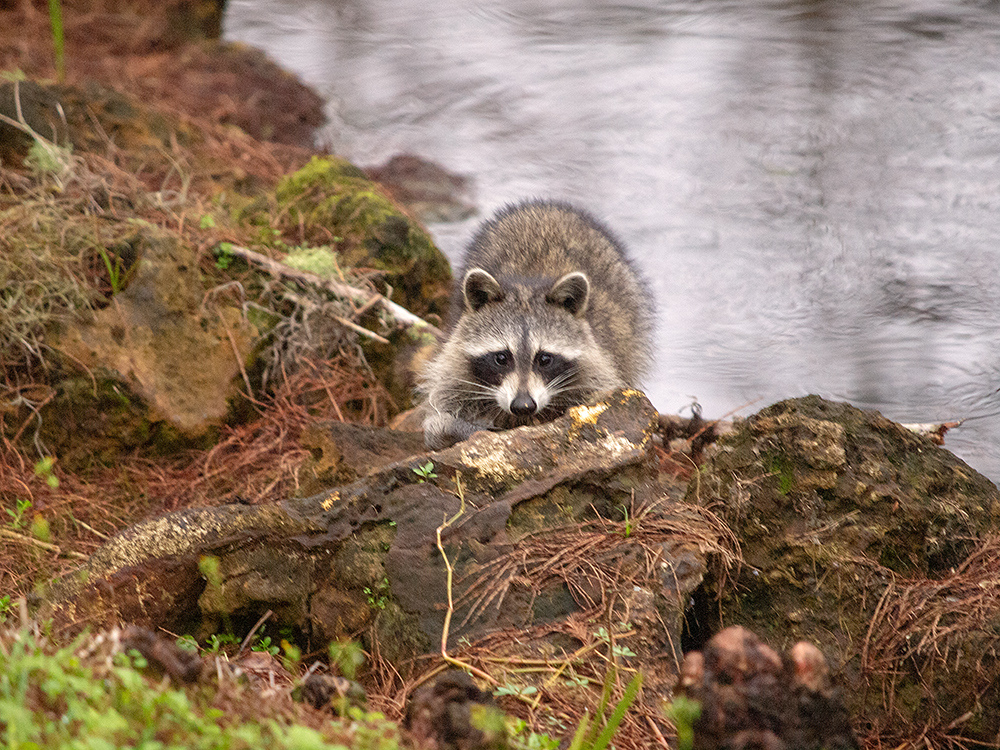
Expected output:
(472, 387)
(463, 387)
(473, 397)
(562, 384)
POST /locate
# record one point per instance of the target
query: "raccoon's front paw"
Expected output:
(444, 430)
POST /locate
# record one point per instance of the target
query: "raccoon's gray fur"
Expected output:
(549, 311)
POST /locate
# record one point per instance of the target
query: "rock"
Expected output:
(327, 691)
(160, 344)
(753, 698)
(38, 108)
(452, 713)
(364, 557)
(873, 543)
(162, 654)
(342, 452)
(431, 192)
(331, 202)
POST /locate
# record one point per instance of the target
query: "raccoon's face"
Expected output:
(526, 351)
(526, 385)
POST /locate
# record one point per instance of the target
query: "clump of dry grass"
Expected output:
(587, 557)
(924, 627)
(254, 462)
(600, 562)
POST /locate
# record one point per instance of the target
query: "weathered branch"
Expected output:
(31, 541)
(398, 312)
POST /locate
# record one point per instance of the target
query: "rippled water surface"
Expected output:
(812, 187)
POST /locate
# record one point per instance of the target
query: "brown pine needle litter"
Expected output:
(255, 462)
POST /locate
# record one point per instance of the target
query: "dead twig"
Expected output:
(254, 629)
(31, 541)
(398, 312)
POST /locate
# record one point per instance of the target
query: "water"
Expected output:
(813, 187)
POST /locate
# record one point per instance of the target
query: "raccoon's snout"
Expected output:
(523, 405)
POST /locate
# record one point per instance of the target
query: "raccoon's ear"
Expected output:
(479, 289)
(571, 292)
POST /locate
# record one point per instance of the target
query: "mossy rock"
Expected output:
(169, 365)
(895, 497)
(331, 202)
(842, 515)
(95, 421)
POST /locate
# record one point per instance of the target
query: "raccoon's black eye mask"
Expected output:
(491, 368)
(551, 366)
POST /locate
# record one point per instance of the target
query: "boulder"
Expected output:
(542, 526)
(874, 544)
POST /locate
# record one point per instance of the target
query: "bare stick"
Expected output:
(254, 629)
(398, 312)
(31, 541)
(361, 330)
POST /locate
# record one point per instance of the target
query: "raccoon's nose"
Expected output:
(523, 405)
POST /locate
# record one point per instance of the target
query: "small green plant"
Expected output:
(117, 271)
(17, 520)
(293, 655)
(207, 222)
(131, 658)
(217, 642)
(224, 255)
(518, 691)
(264, 645)
(684, 713)
(521, 738)
(187, 643)
(425, 472)
(47, 158)
(6, 607)
(347, 656)
(576, 680)
(40, 528)
(627, 531)
(43, 469)
(378, 596)
(597, 734)
(617, 650)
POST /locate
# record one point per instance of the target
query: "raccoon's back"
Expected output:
(537, 242)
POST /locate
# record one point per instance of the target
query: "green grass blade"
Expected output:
(628, 698)
(580, 734)
(58, 40)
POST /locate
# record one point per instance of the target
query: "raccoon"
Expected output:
(549, 312)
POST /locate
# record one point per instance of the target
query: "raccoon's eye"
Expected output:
(501, 358)
(545, 359)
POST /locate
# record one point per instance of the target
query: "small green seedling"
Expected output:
(617, 650)
(217, 642)
(264, 645)
(17, 515)
(187, 643)
(224, 255)
(43, 469)
(378, 596)
(425, 472)
(348, 656)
